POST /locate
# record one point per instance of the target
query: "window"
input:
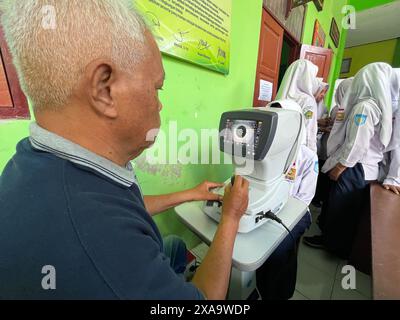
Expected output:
(13, 103)
(346, 65)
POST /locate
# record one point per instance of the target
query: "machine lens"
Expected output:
(241, 131)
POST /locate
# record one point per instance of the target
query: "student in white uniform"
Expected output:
(355, 149)
(276, 278)
(324, 131)
(391, 164)
(300, 84)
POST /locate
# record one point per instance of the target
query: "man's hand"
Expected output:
(203, 192)
(236, 199)
(212, 277)
(158, 204)
(337, 171)
(392, 188)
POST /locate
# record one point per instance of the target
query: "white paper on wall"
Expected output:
(266, 89)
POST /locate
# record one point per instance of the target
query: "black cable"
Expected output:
(273, 217)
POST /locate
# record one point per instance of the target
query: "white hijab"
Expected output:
(373, 82)
(300, 82)
(293, 106)
(341, 90)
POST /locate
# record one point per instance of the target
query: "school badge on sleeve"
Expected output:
(360, 119)
(309, 114)
(340, 115)
(291, 175)
(316, 167)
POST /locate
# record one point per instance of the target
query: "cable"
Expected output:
(273, 217)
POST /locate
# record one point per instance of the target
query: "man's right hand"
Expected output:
(236, 199)
(212, 277)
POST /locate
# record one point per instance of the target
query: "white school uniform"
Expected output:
(303, 175)
(362, 143)
(363, 126)
(392, 168)
(339, 95)
(391, 163)
(300, 84)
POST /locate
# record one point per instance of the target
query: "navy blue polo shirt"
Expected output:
(65, 207)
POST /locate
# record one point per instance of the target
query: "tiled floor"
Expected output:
(319, 274)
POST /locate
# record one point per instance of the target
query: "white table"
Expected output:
(251, 249)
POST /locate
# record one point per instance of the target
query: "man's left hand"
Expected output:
(203, 192)
(392, 188)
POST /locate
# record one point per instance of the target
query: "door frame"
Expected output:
(288, 34)
(295, 45)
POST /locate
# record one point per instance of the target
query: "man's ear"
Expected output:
(101, 76)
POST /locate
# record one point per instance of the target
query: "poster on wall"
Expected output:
(319, 4)
(319, 35)
(197, 31)
(335, 33)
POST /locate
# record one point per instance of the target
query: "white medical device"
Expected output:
(264, 143)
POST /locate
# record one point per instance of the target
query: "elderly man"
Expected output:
(73, 222)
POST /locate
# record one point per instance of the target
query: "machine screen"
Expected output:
(244, 135)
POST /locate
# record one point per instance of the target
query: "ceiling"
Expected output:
(376, 24)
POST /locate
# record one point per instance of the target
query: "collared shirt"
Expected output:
(361, 144)
(74, 221)
(47, 141)
(303, 175)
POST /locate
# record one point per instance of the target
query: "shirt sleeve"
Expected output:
(310, 113)
(393, 177)
(359, 132)
(309, 177)
(126, 250)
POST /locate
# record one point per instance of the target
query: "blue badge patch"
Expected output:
(316, 167)
(360, 119)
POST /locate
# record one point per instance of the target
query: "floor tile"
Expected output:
(312, 231)
(339, 293)
(364, 284)
(298, 296)
(313, 283)
(363, 281)
(320, 259)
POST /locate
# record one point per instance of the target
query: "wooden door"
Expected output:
(13, 103)
(269, 56)
(5, 96)
(321, 57)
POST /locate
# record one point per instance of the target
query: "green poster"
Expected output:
(194, 30)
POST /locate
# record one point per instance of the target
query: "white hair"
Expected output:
(52, 41)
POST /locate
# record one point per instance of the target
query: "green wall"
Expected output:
(383, 51)
(396, 58)
(10, 133)
(195, 98)
(331, 9)
(361, 5)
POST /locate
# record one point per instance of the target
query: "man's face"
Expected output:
(138, 103)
